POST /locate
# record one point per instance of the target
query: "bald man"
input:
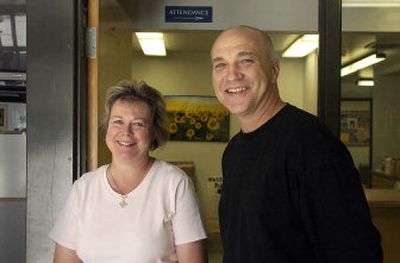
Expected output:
(290, 190)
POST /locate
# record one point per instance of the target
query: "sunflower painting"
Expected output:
(197, 118)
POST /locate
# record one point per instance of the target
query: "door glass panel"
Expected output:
(370, 108)
(379, 160)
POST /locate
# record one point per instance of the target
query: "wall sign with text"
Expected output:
(188, 14)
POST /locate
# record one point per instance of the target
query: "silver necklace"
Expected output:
(123, 202)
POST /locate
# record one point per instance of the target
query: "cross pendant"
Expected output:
(123, 203)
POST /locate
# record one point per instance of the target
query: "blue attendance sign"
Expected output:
(188, 14)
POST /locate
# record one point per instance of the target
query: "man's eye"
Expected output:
(247, 61)
(219, 65)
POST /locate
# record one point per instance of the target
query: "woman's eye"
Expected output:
(118, 122)
(137, 125)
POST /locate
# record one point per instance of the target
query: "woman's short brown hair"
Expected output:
(139, 91)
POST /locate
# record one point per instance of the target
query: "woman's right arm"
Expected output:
(65, 255)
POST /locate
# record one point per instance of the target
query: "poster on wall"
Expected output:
(197, 118)
(214, 184)
(355, 128)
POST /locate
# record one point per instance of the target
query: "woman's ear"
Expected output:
(153, 140)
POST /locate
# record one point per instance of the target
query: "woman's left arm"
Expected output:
(193, 252)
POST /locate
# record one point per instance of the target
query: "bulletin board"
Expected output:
(355, 128)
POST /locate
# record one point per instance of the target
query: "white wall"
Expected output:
(176, 74)
(277, 15)
(370, 19)
(291, 81)
(310, 94)
(115, 60)
(386, 118)
(271, 15)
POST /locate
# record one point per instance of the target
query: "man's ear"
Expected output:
(275, 68)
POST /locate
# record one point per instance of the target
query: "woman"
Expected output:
(136, 209)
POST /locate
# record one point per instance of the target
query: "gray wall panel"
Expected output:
(50, 107)
(12, 241)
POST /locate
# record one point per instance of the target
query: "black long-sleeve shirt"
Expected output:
(291, 193)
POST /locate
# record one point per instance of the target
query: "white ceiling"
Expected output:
(201, 40)
(354, 45)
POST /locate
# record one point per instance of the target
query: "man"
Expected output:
(290, 191)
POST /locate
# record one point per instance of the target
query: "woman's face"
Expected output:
(129, 133)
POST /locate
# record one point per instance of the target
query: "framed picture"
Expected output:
(355, 123)
(3, 117)
(197, 118)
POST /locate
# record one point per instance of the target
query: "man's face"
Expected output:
(243, 72)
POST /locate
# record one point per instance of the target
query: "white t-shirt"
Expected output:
(162, 212)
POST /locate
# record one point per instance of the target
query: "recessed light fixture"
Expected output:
(302, 46)
(152, 43)
(365, 82)
(362, 63)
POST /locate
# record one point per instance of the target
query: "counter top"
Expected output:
(393, 177)
(383, 197)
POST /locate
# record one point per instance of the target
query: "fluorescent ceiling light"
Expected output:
(370, 3)
(302, 46)
(152, 43)
(365, 82)
(362, 63)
